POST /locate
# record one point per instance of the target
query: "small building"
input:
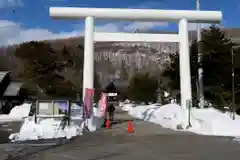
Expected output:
(11, 93)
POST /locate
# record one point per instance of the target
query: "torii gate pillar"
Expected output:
(180, 16)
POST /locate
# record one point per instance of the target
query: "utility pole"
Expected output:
(200, 70)
(233, 84)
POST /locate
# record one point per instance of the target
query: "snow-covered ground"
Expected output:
(18, 113)
(207, 121)
(50, 128)
(45, 129)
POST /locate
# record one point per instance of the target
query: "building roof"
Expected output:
(111, 87)
(3, 74)
(13, 89)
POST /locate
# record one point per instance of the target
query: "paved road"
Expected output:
(6, 128)
(100, 146)
(150, 141)
(20, 150)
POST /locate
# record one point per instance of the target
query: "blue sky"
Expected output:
(24, 20)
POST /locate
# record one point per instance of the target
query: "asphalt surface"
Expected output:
(99, 146)
(6, 128)
(149, 141)
(20, 150)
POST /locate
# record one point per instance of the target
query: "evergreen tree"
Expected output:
(43, 65)
(172, 71)
(143, 88)
(216, 63)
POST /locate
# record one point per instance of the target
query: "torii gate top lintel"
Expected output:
(182, 17)
(192, 16)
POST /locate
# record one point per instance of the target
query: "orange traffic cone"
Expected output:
(107, 124)
(130, 127)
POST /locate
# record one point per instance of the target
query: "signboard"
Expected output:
(45, 108)
(50, 107)
(112, 94)
(60, 107)
(44, 105)
(88, 103)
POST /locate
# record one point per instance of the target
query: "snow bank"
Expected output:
(17, 113)
(45, 129)
(21, 111)
(127, 107)
(169, 116)
(207, 121)
(51, 128)
(96, 121)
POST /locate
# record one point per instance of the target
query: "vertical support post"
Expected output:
(36, 111)
(69, 111)
(53, 108)
(200, 69)
(185, 73)
(88, 65)
(233, 84)
(189, 113)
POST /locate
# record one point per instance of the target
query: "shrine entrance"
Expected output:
(182, 17)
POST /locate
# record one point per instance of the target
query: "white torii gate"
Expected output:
(183, 17)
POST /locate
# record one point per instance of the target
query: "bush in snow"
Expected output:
(143, 88)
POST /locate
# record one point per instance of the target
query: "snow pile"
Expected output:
(207, 121)
(17, 113)
(51, 128)
(21, 111)
(127, 107)
(76, 111)
(45, 129)
(121, 104)
(96, 121)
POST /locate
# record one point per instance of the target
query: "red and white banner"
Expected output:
(103, 102)
(88, 103)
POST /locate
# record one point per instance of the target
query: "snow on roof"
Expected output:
(13, 89)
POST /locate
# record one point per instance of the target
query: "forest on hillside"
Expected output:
(54, 68)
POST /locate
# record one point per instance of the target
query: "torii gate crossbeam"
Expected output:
(183, 17)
